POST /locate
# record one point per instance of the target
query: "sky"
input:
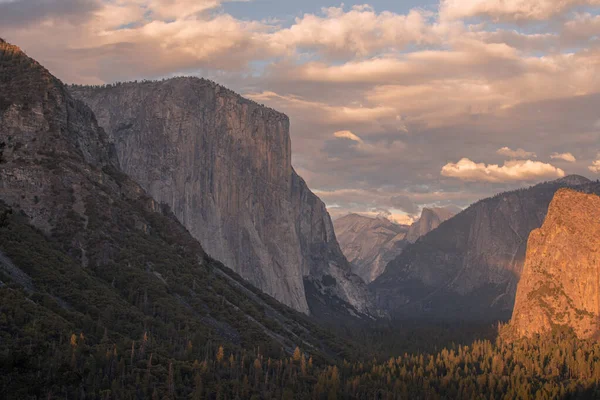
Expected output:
(394, 105)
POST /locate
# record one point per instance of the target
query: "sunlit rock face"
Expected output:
(469, 267)
(369, 243)
(223, 165)
(560, 285)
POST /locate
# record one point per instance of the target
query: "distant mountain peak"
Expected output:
(431, 218)
(573, 180)
(461, 269)
(369, 243)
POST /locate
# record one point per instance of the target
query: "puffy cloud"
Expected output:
(518, 153)
(359, 31)
(347, 135)
(517, 170)
(509, 10)
(127, 40)
(399, 91)
(595, 167)
(564, 156)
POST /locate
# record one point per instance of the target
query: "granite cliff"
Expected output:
(560, 284)
(223, 165)
(369, 243)
(469, 267)
(83, 248)
(430, 219)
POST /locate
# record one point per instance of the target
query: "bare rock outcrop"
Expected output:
(430, 219)
(369, 243)
(51, 146)
(223, 165)
(560, 285)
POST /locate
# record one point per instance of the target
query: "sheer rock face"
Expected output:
(223, 165)
(469, 267)
(58, 172)
(430, 219)
(51, 146)
(369, 243)
(560, 285)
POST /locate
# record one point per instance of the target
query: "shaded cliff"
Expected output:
(223, 165)
(560, 285)
(430, 219)
(84, 249)
(469, 266)
(369, 243)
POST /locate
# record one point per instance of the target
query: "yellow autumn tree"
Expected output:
(73, 341)
(220, 354)
(297, 354)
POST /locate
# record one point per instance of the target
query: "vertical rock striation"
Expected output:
(560, 285)
(369, 243)
(223, 165)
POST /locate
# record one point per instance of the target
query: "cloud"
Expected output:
(404, 203)
(332, 114)
(522, 170)
(595, 167)
(23, 12)
(166, 9)
(347, 135)
(518, 153)
(376, 98)
(564, 156)
(509, 10)
(357, 32)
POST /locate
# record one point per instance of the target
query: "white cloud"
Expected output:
(518, 153)
(400, 91)
(564, 156)
(595, 167)
(347, 135)
(511, 10)
(359, 31)
(517, 170)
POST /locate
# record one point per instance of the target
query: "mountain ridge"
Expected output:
(83, 248)
(369, 243)
(469, 266)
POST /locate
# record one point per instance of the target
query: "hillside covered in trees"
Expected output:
(105, 295)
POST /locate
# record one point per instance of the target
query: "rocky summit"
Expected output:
(222, 163)
(560, 285)
(369, 243)
(430, 219)
(469, 267)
